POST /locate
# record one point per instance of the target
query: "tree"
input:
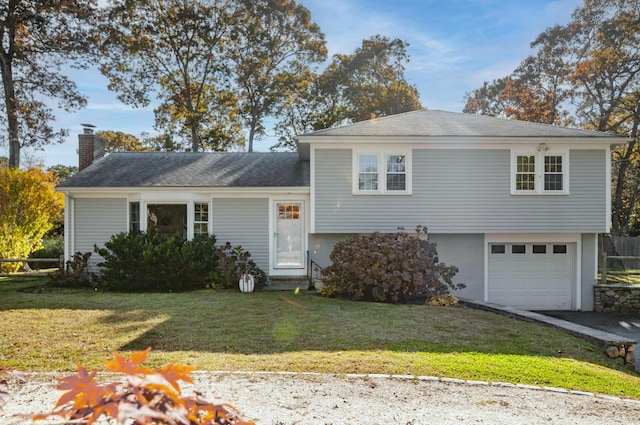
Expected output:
(274, 43)
(594, 62)
(368, 83)
(607, 81)
(38, 37)
(29, 205)
(486, 100)
(118, 141)
(538, 90)
(174, 49)
(63, 172)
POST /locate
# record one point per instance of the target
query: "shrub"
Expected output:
(145, 396)
(52, 247)
(233, 262)
(145, 262)
(75, 274)
(387, 267)
(29, 205)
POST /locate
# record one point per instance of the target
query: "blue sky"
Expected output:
(455, 45)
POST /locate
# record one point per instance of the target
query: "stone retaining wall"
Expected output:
(616, 299)
(626, 352)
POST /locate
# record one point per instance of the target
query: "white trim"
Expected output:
(576, 238)
(381, 155)
(229, 192)
(608, 178)
(69, 227)
(459, 142)
(596, 258)
(539, 171)
(190, 220)
(312, 197)
(578, 262)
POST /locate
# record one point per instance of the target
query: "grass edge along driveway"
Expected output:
(55, 329)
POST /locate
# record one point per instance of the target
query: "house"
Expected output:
(516, 206)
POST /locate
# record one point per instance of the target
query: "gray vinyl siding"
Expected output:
(466, 252)
(321, 246)
(96, 220)
(460, 191)
(243, 222)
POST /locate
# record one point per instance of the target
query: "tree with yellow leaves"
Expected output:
(29, 205)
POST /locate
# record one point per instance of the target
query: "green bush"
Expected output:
(149, 262)
(388, 267)
(233, 262)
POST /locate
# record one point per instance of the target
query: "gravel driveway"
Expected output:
(287, 399)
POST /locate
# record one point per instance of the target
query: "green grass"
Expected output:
(53, 330)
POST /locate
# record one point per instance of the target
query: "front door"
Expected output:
(289, 236)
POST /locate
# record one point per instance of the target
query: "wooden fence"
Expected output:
(26, 261)
(604, 267)
(622, 245)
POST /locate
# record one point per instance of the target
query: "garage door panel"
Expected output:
(532, 280)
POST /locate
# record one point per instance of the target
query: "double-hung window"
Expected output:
(134, 217)
(382, 173)
(368, 173)
(542, 172)
(201, 218)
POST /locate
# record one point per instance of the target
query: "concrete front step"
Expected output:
(287, 284)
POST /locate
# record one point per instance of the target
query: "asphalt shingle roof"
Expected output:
(433, 123)
(172, 169)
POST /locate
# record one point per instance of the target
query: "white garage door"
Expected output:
(532, 276)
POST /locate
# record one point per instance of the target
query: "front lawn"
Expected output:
(53, 330)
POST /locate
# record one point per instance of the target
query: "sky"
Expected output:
(454, 46)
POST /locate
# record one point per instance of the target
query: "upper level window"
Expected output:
(368, 173)
(553, 175)
(539, 173)
(396, 172)
(382, 172)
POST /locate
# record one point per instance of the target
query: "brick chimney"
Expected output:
(90, 147)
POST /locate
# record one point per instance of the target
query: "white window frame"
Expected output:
(382, 171)
(207, 221)
(539, 157)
